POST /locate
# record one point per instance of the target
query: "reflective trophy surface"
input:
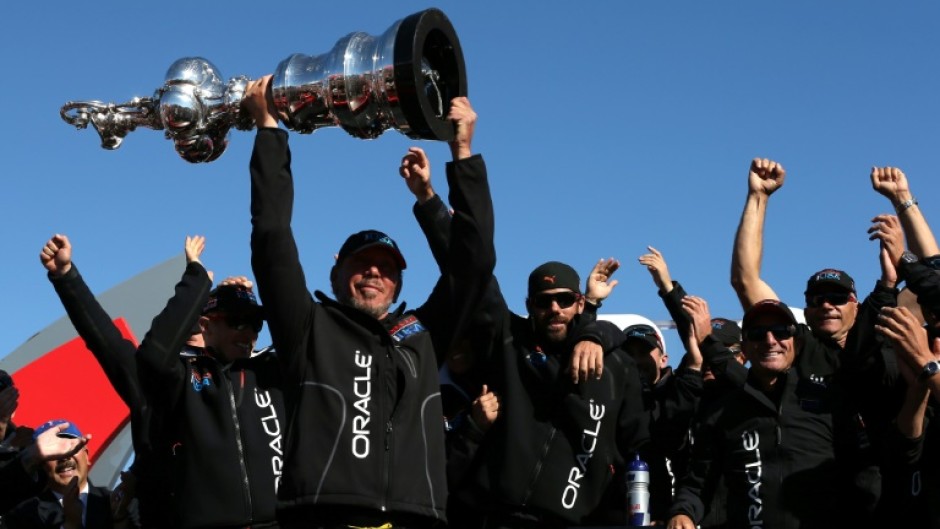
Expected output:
(402, 79)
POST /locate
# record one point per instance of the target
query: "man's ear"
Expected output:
(203, 323)
(580, 304)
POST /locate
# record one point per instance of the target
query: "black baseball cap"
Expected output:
(726, 331)
(232, 298)
(830, 276)
(767, 306)
(552, 275)
(367, 239)
(643, 333)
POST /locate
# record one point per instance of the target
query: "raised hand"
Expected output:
(239, 281)
(697, 308)
(56, 255)
(887, 229)
(415, 168)
(194, 247)
(464, 119)
(599, 284)
(903, 328)
(485, 409)
(765, 176)
(890, 182)
(656, 264)
(259, 102)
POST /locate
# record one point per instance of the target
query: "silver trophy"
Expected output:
(403, 79)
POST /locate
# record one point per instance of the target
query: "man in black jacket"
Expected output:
(366, 443)
(222, 406)
(775, 440)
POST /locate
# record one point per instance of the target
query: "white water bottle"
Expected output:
(638, 493)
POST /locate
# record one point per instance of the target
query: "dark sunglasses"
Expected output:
(833, 298)
(564, 300)
(239, 322)
(780, 332)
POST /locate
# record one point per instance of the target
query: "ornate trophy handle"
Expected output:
(112, 121)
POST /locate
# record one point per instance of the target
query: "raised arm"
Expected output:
(162, 375)
(892, 184)
(764, 178)
(274, 257)
(114, 353)
(471, 256)
(429, 209)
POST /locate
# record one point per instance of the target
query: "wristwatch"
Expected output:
(930, 369)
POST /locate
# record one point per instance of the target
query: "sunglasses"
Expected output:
(780, 332)
(239, 322)
(564, 300)
(833, 298)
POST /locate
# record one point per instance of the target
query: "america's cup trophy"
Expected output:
(403, 79)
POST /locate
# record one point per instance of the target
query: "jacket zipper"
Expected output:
(538, 467)
(241, 448)
(386, 485)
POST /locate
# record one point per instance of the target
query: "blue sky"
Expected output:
(606, 127)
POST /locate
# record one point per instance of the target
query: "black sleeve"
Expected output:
(114, 353)
(16, 484)
(471, 256)
(274, 257)
(603, 332)
(462, 445)
(863, 345)
(434, 220)
(161, 373)
(633, 420)
(922, 279)
(673, 302)
(678, 404)
(703, 465)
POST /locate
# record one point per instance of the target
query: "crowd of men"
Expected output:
(461, 413)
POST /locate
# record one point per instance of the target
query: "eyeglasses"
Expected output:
(564, 300)
(833, 298)
(780, 332)
(239, 322)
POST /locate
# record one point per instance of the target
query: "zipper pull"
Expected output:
(388, 434)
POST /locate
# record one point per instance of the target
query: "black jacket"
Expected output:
(550, 456)
(366, 431)
(224, 422)
(777, 455)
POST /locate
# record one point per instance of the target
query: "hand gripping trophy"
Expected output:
(403, 79)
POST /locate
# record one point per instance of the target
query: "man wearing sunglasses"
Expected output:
(223, 408)
(546, 462)
(774, 441)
